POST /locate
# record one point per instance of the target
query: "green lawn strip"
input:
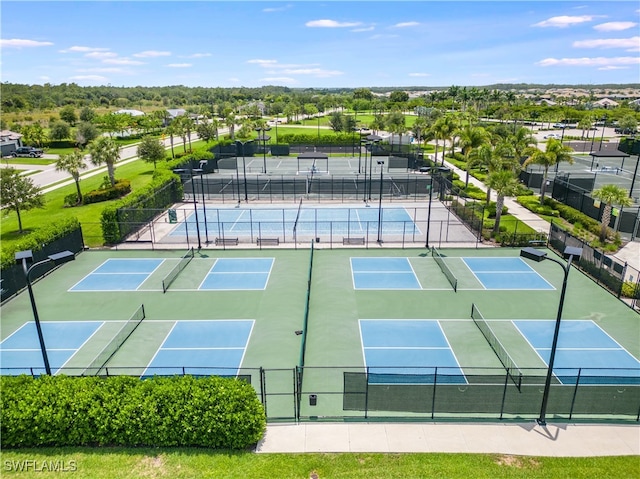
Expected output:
(117, 463)
(27, 161)
(138, 172)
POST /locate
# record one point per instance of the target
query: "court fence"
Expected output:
(620, 279)
(312, 393)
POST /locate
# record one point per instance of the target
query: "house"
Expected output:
(129, 112)
(9, 141)
(606, 103)
(174, 113)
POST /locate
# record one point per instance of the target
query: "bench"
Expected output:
(353, 241)
(539, 242)
(227, 241)
(268, 241)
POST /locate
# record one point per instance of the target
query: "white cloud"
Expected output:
(564, 21)
(279, 80)
(613, 67)
(122, 61)
(382, 37)
(589, 62)
(406, 24)
(363, 29)
(22, 43)
(101, 55)
(101, 70)
(151, 54)
(92, 78)
(419, 74)
(277, 9)
(263, 62)
(632, 43)
(179, 65)
(614, 26)
(81, 49)
(331, 24)
(199, 55)
(317, 72)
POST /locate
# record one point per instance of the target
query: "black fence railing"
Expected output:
(312, 393)
(620, 279)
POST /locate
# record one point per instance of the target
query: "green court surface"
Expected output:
(270, 289)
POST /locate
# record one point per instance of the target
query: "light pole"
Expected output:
(429, 208)
(264, 138)
(244, 167)
(604, 122)
(381, 164)
(570, 253)
(195, 202)
(204, 204)
(371, 140)
(25, 257)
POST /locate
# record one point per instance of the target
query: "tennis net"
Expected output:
(118, 340)
(445, 269)
(509, 364)
(173, 274)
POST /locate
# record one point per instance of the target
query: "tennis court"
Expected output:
(365, 332)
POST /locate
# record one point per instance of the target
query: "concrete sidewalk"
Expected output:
(562, 440)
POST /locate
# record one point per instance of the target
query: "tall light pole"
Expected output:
(570, 253)
(195, 201)
(262, 136)
(381, 164)
(204, 204)
(244, 167)
(429, 208)
(25, 257)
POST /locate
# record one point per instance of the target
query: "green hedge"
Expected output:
(43, 235)
(56, 411)
(120, 189)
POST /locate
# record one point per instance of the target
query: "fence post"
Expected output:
(504, 393)
(433, 396)
(366, 395)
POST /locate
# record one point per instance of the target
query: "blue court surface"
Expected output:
(118, 275)
(232, 274)
(20, 353)
(583, 348)
(202, 347)
(310, 221)
(506, 273)
(408, 352)
(383, 273)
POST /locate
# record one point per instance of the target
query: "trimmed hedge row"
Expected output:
(43, 235)
(55, 411)
(121, 188)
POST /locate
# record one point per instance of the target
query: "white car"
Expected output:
(553, 136)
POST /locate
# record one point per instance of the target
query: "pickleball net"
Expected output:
(445, 268)
(509, 364)
(173, 274)
(98, 364)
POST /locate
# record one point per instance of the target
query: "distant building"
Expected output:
(606, 103)
(9, 141)
(130, 112)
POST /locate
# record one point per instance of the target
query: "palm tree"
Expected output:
(555, 153)
(471, 137)
(443, 130)
(610, 195)
(72, 163)
(504, 183)
(105, 150)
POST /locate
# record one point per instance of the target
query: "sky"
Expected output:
(326, 44)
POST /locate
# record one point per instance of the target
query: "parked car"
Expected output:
(560, 126)
(27, 151)
(553, 136)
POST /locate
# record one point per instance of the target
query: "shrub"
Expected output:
(490, 210)
(71, 200)
(56, 411)
(631, 290)
(120, 189)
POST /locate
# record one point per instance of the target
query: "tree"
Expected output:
(610, 195)
(59, 130)
(504, 183)
(208, 131)
(72, 163)
(555, 153)
(34, 134)
(151, 150)
(87, 114)
(85, 133)
(336, 121)
(105, 150)
(471, 137)
(18, 193)
(443, 130)
(68, 114)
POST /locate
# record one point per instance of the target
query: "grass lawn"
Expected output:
(117, 463)
(138, 172)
